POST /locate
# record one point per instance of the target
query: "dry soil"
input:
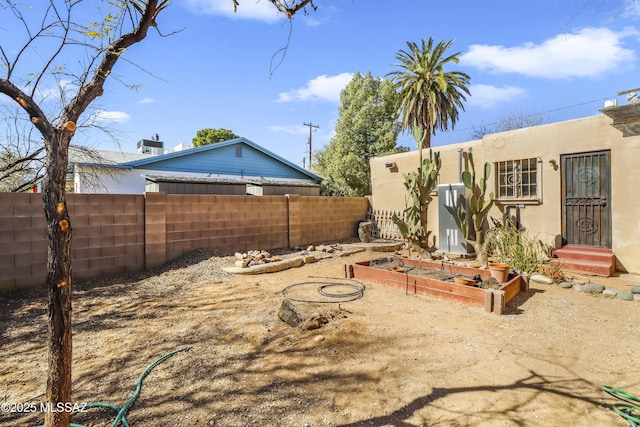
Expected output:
(387, 359)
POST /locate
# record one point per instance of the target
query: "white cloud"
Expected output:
(590, 52)
(324, 87)
(488, 96)
(147, 101)
(631, 8)
(248, 9)
(111, 116)
(289, 129)
(63, 89)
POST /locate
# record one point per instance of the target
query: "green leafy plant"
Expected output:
(478, 205)
(510, 245)
(419, 185)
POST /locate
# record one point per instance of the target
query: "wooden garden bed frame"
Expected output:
(493, 300)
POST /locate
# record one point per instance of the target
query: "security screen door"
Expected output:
(586, 199)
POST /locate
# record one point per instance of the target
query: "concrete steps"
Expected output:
(596, 261)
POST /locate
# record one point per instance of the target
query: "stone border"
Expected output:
(590, 288)
(306, 257)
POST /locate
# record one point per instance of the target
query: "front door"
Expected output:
(586, 199)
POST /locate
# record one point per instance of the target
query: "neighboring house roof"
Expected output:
(226, 179)
(224, 158)
(88, 157)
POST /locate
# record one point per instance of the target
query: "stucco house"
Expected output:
(573, 184)
(238, 166)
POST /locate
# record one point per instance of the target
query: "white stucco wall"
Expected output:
(108, 180)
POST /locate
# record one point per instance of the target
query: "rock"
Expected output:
(635, 290)
(315, 321)
(267, 268)
(239, 255)
(636, 297)
(319, 338)
(242, 263)
(593, 288)
(364, 231)
(541, 278)
(579, 282)
(610, 292)
(625, 295)
(309, 259)
(565, 285)
(290, 314)
(577, 287)
(311, 248)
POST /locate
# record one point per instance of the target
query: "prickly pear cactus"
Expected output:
(419, 185)
(479, 205)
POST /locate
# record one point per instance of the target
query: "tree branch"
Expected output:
(290, 10)
(37, 116)
(149, 11)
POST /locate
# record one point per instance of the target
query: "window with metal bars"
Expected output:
(517, 179)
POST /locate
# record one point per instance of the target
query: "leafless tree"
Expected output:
(51, 33)
(21, 157)
(510, 122)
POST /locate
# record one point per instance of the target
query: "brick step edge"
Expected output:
(590, 267)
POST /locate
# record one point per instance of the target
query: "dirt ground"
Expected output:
(387, 359)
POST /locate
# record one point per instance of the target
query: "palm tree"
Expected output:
(429, 96)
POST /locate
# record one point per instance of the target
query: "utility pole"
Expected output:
(311, 126)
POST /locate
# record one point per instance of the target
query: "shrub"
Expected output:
(510, 245)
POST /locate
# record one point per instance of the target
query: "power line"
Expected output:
(538, 114)
(311, 126)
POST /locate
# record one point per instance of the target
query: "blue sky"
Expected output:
(558, 58)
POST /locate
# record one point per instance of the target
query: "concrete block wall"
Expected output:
(108, 234)
(115, 234)
(322, 219)
(227, 223)
(23, 240)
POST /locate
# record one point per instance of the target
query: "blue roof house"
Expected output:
(238, 166)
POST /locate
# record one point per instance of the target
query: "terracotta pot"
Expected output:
(500, 272)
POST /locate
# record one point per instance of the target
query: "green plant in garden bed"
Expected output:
(510, 245)
(419, 185)
(478, 204)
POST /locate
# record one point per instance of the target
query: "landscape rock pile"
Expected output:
(255, 257)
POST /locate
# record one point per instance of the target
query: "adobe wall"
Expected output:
(388, 188)
(545, 143)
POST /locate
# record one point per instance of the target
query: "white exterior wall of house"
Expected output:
(108, 180)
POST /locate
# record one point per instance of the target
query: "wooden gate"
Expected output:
(586, 199)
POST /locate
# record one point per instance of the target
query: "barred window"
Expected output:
(517, 179)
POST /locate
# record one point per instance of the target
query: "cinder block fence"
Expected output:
(115, 234)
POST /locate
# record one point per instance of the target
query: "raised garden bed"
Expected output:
(435, 279)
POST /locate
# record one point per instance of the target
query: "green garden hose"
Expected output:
(120, 412)
(628, 410)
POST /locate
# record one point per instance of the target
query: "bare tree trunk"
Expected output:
(58, 280)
